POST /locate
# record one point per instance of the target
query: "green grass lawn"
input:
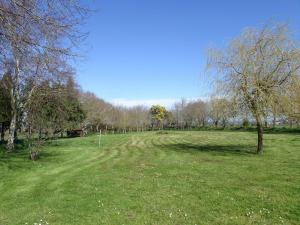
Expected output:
(196, 177)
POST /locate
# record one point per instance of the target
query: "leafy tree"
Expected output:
(158, 114)
(52, 108)
(61, 108)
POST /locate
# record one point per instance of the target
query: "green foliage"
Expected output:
(76, 114)
(196, 177)
(158, 114)
(60, 109)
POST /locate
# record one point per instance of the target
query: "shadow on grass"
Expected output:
(214, 149)
(19, 159)
(268, 130)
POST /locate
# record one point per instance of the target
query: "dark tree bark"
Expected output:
(260, 132)
(224, 123)
(266, 123)
(274, 121)
(216, 123)
(2, 132)
(203, 122)
(40, 133)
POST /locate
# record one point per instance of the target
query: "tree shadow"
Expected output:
(211, 148)
(269, 130)
(19, 159)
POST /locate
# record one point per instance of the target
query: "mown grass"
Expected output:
(175, 177)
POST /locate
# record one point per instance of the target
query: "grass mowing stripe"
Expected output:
(177, 177)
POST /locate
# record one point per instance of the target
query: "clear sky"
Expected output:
(154, 51)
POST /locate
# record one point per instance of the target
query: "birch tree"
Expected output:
(43, 32)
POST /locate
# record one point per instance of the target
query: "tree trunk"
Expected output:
(216, 123)
(40, 133)
(224, 123)
(260, 132)
(14, 94)
(291, 123)
(2, 132)
(274, 121)
(13, 123)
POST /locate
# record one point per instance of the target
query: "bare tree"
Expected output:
(99, 112)
(178, 113)
(201, 112)
(43, 33)
(195, 113)
(139, 117)
(222, 110)
(255, 67)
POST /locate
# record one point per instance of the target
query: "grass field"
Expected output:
(179, 177)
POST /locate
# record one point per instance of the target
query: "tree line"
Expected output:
(214, 112)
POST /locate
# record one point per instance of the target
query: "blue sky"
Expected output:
(155, 51)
